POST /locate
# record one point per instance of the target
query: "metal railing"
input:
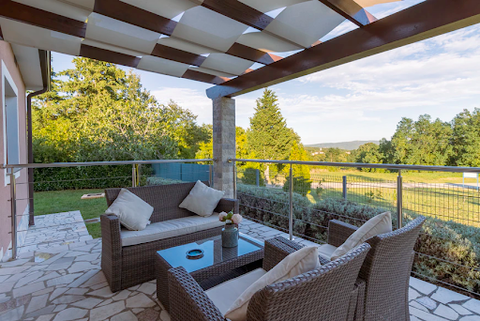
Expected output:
(397, 167)
(135, 181)
(449, 206)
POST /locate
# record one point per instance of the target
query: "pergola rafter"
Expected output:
(424, 20)
(350, 10)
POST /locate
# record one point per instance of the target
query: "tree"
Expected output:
(97, 111)
(466, 139)
(369, 153)
(268, 136)
(422, 142)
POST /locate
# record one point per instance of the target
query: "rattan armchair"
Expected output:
(386, 270)
(322, 294)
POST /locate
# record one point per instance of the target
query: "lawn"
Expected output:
(70, 200)
(418, 177)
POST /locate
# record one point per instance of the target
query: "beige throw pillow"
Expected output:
(202, 199)
(379, 224)
(299, 262)
(133, 212)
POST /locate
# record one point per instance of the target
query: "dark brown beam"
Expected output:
(252, 54)
(178, 55)
(422, 21)
(125, 12)
(44, 19)
(109, 56)
(350, 10)
(240, 12)
(203, 77)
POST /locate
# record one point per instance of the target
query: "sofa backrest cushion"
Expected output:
(164, 199)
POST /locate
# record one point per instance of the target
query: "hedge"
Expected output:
(439, 241)
(86, 177)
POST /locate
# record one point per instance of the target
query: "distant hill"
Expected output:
(344, 145)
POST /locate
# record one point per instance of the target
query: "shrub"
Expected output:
(162, 181)
(87, 177)
(250, 177)
(301, 185)
(449, 251)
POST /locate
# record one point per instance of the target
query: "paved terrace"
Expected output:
(58, 278)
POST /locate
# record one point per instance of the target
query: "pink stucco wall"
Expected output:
(7, 57)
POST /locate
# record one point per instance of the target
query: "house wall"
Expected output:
(10, 71)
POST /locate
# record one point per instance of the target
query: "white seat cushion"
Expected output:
(132, 211)
(382, 223)
(170, 228)
(224, 294)
(326, 250)
(296, 263)
(202, 199)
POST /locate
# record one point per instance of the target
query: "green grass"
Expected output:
(70, 200)
(418, 177)
(94, 230)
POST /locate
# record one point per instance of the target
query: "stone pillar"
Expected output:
(223, 144)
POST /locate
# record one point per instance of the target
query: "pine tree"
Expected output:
(268, 135)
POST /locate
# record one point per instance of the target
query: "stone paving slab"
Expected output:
(66, 283)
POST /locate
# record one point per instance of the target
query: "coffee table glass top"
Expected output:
(213, 252)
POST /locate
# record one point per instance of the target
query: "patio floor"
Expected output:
(58, 277)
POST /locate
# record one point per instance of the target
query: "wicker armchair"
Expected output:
(322, 294)
(125, 266)
(386, 270)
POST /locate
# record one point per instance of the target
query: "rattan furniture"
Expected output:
(386, 270)
(125, 266)
(321, 294)
(216, 265)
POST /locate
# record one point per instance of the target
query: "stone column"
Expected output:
(223, 144)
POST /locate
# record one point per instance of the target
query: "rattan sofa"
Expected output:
(128, 265)
(327, 293)
(386, 270)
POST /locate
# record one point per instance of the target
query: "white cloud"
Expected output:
(194, 100)
(438, 76)
(199, 104)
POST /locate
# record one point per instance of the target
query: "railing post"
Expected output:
(134, 176)
(13, 206)
(234, 169)
(399, 199)
(210, 180)
(290, 222)
(344, 187)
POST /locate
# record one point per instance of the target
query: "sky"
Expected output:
(361, 100)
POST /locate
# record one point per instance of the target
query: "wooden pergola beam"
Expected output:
(240, 12)
(422, 21)
(125, 12)
(350, 10)
(41, 18)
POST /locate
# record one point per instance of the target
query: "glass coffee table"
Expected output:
(217, 264)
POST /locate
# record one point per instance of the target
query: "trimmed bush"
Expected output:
(449, 251)
(87, 177)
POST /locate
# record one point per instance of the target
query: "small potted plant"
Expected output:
(230, 231)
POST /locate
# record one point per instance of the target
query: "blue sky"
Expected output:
(361, 100)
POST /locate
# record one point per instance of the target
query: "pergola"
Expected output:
(236, 45)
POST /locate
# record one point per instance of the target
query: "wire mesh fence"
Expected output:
(448, 250)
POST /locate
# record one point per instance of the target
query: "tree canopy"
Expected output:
(97, 111)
